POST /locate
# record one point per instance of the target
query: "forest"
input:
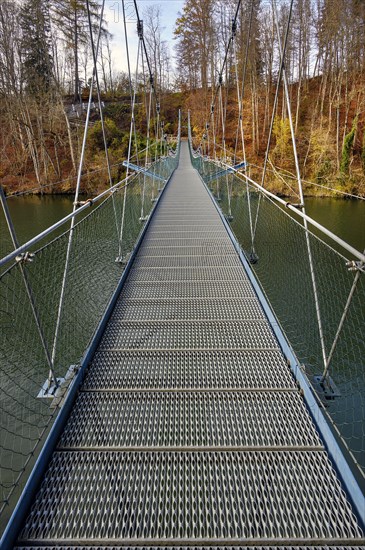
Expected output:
(45, 69)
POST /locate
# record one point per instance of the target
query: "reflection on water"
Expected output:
(31, 215)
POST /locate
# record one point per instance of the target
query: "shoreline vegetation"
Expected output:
(320, 176)
(45, 84)
(321, 171)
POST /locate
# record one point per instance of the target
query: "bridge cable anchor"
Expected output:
(140, 29)
(294, 205)
(77, 204)
(253, 257)
(325, 388)
(25, 258)
(354, 265)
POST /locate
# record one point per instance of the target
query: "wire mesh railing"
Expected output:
(278, 252)
(90, 280)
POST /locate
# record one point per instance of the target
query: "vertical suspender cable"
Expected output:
(129, 70)
(240, 96)
(273, 113)
(147, 154)
(343, 319)
(127, 52)
(310, 258)
(77, 191)
(51, 377)
(225, 154)
(213, 132)
(157, 125)
(100, 105)
(120, 258)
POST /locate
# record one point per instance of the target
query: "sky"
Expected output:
(114, 17)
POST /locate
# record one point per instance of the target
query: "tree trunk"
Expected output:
(77, 95)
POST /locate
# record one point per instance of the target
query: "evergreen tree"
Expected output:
(347, 148)
(36, 47)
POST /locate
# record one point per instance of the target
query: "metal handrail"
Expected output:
(324, 230)
(24, 247)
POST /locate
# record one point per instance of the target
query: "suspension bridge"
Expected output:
(159, 388)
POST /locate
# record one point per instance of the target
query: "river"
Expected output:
(346, 218)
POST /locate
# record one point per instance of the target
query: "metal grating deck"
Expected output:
(189, 430)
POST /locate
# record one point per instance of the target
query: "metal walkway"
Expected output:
(189, 429)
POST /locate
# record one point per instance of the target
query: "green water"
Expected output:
(346, 218)
(284, 273)
(282, 270)
(31, 215)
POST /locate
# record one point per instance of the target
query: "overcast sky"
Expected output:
(114, 17)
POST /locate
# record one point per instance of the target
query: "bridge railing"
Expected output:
(312, 279)
(39, 329)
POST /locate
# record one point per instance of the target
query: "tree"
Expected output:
(347, 148)
(195, 32)
(36, 47)
(281, 132)
(10, 39)
(71, 19)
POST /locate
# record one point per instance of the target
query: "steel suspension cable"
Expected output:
(127, 51)
(144, 47)
(157, 125)
(120, 257)
(220, 80)
(129, 72)
(28, 287)
(297, 168)
(144, 50)
(241, 94)
(359, 271)
(151, 141)
(106, 149)
(343, 244)
(147, 155)
(231, 38)
(225, 153)
(281, 67)
(287, 174)
(76, 200)
(240, 110)
(240, 128)
(214, 132)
